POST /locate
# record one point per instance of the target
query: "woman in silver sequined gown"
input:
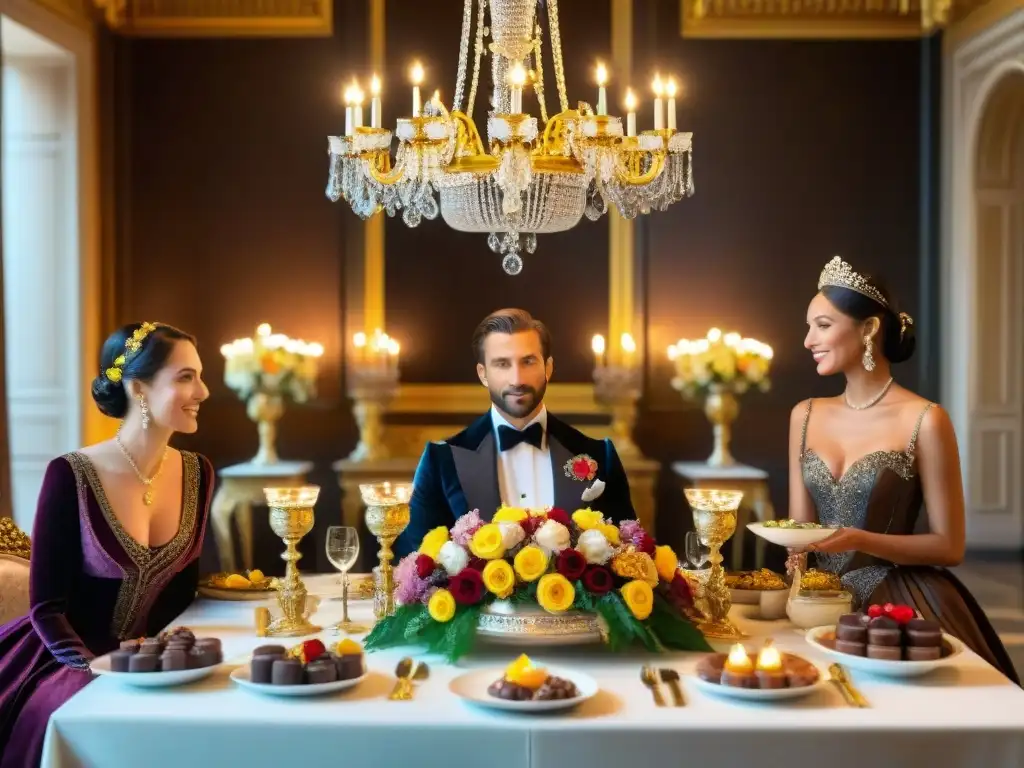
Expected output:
(866, 462)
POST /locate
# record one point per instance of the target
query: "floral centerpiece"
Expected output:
(264, 372)
(717, 369)
(548, 558)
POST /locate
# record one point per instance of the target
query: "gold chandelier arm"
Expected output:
(631, 176)
(378, 166)
(555, 130)
(467, 137)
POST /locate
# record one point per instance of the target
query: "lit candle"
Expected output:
(416, 76)
(630, 113)
(769, 667)
(375, 102)
(739, 669)
(628, 347)
(393, 349)
(602, 95)
(670, 91)
(659, 115)
(597, 344)
(349, 113)
(357, 105)
(359, 342)
(436, 98)
(517, 78)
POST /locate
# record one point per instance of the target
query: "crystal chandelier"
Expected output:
(533, 176)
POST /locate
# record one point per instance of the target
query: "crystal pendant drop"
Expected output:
(493, 243)
(512, 263)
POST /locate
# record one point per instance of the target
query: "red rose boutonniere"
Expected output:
(581, 467)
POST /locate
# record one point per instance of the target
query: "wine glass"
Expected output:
(343, 551)
(696, 552)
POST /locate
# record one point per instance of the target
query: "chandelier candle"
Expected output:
(670, 91)
(375, 102)
(517, 79)
(357, 105)
(630, 113)
(349, 114)
(659, 114)
(602, 94)
(416, 76)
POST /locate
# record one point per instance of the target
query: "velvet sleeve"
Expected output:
(428, 507)
(56, 562)
(618, 500)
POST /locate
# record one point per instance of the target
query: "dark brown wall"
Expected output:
(803, 150)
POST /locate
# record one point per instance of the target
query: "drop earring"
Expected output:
(869, 359)
(145, 412)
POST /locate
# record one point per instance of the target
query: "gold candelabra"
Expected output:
(617, 389)
(387, 515)
(373, 376)
(714, 519)
(291, 518)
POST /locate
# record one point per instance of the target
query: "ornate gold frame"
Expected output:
(239, 18)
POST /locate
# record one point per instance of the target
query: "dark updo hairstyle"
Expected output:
(897, 340)
(110, 396)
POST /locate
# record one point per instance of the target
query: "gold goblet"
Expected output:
(291, 518)
(387, 515)
(714, 518)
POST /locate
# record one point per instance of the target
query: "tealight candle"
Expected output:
(769, 667)
(739, 669)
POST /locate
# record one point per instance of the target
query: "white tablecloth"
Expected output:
(967, 715)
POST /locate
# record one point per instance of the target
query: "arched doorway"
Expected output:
(983, 278)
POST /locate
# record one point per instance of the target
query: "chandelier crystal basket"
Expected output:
(532, 176)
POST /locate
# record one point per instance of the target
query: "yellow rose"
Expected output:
(586, 519)
(611, 532)
(666, 562)
(531, 562)
(635, 565)
(639, 598)
(499, 578)
(433, 541)
(441, 606)
(509, 515)
(554, 593)
(487, 542)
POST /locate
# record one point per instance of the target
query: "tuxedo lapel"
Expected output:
(476, 463)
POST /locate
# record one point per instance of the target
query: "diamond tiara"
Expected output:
(840, 274)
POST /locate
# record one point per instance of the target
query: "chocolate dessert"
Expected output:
(321, 671)
(261, 666)
(556, 688)
(893, 634)
(287, 672)
(923, 652)
(503, 689)
(171, 651)
(710, 667)
(924, 633)
(796, 672)
(309, 662)
(853, 628)
(883, 631)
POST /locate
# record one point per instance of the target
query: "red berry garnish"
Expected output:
(875, 611)
(902, 614)
(887, 608)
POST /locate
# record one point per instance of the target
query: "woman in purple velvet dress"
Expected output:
(117, 536)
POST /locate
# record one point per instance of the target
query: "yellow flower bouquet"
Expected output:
(272, 364)
(548, 558)
(720, 362)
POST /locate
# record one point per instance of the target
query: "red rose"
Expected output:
(571, 564)
(581, 469)
(644, 543)
(597, 579)
(530, 525)
(477, 564)
(559, 516)
(680, 594)
(467, 586)
(424, 566)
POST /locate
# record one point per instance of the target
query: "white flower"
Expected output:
(452, 557)
(511, 534)
(595, 547)
(552, 536)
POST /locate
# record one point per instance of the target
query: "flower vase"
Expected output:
(721, 407)
(265, 410)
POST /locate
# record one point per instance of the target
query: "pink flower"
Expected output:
(629, 530)
(409, 587)
(465, 527)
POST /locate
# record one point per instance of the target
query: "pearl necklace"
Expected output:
(147, 496)
(870, 402)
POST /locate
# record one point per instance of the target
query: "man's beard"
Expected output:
(506, 402)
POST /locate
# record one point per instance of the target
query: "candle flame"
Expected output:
(628, 345)
(738, 658)
(416, 73)
(393, 347)
(601, 74)
(517, 75)
(263, 329)
(597, 344)
(630, 100)
(658, 86)
(357, 93)
(769, 659)
(347, 95)
(359, 339)
(375, 86)
(670, 88)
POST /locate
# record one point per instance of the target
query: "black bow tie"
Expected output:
(510, 438)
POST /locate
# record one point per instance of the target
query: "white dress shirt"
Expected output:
(524, 473)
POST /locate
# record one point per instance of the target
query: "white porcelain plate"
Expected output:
(823, 638)
(472, 687)
(101, 666)
(241, 676)
(796, 538)
(759, 694)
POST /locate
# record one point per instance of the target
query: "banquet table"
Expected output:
(965, 714)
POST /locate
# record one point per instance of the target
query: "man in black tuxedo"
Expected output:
(516, 453)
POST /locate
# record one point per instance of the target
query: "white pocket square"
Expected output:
(591, 493)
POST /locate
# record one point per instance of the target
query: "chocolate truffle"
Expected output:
(131, 645)
(151, 646)
(852, 627)
(286, 672)
(144, 662)
(884, 631)
(120, 660)
(503, 689)
(851, 647)
(350, 665)
(710, 667)
(924, 633)
(183, 634)
(321, 671)
(885, 652)
(270, 650)
(799, 671)
(556, 688)
(923, 652)
(261, 666)
(174, 660)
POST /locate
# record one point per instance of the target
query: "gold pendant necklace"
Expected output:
(147, 495)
